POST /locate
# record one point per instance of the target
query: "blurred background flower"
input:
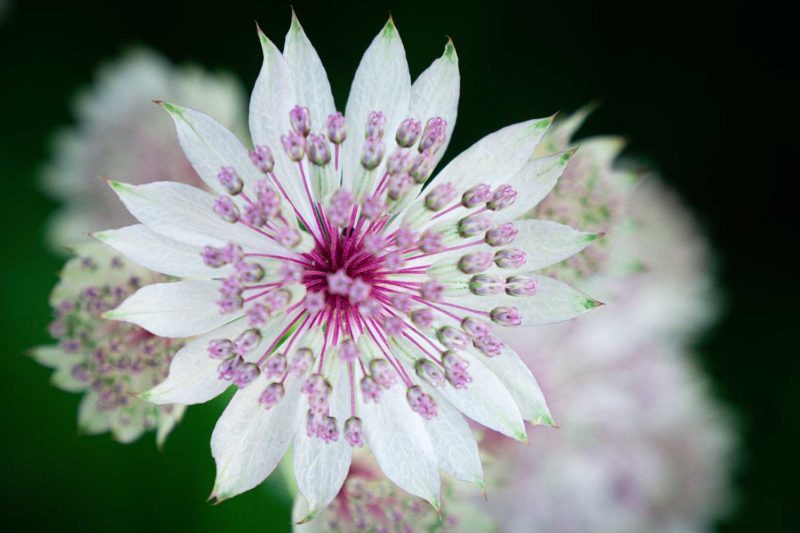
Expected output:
(121, 134)
(111, 362)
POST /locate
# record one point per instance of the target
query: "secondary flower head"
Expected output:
(109, 361)
(350, 305)
(116, 111)
(368, 501)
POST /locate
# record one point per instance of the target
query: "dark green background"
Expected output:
(705, 92)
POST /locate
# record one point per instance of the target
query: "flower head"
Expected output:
(379, 284)
(89, 152)
(111, 362)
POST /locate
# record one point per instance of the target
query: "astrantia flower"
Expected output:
(350, 306)
(109, 361)
(117, 112)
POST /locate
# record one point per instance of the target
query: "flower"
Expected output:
(110, 361)
(117, 111)
(326, 299)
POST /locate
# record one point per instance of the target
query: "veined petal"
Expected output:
(436, 91)
(382, 83)
(249, 440)
(209, 146)
(185, 214)
(563, 131)
(519, 381)
(177, 309)
(547, 243)
(554, 301)
(310, 79)
(485, 399)
(320, 467)
(455, 446)
(497, 157)
(273, 97)
(533, 183)
(401, 445)
(193, 376)
(160, 254)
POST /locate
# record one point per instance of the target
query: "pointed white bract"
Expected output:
(348, 296)
(111, 362)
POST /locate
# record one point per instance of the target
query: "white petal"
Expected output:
(178, 309)
(561, 134)
(185, 214)
(54, 356)
(127, 425)
(209, 146)
(454, 443)
(519, 381)
(90, 419)
(485, 399)
(401, 445)
(249, 440)
(193, 376)
(533, 183)
(273, 97)
(167, 422)
(554, 301)
(64, 380)
(320, 468)
(382, 83)
(160, 254)
(310, 79)
(435, 93)
(547, 243)
(497, 157)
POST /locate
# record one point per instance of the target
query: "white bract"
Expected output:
(348, 296)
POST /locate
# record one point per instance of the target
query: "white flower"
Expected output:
(121, 133)
(348, 305)
(110, 361)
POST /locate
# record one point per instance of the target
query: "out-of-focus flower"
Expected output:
(119, 133)
(348, 305)
(110, 362)
(369, 502)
